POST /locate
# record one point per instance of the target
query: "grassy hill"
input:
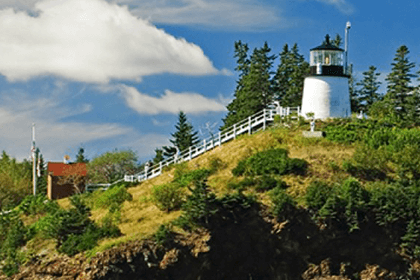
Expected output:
(335, 192)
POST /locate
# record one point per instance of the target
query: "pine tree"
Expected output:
(353, 92)
(184, 136)
(398, 90)
(289, 78)
(368, 94)
(80, 158)
(159, 156)
(338, 41)
(253, 91)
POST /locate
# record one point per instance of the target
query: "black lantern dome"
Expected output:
(327, 60)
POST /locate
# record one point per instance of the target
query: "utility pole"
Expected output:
(33, 149)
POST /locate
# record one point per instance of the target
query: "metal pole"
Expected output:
(33, 160)
(346, 46)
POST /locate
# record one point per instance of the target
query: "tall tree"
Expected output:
(80, 158)
(184, 136)
(159, 156)
(338, 41)
(289, 78)
(112, 166)
(368, 93)
(399, 91)
(253, 91)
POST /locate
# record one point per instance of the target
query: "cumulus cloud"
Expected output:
(221, 14)
(170, 102)
(54, 136)
(342, 5)
(91, 41)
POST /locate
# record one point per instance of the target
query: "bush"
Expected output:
(39, 204)
(281, 201)
(317, 195)
(113, 196)
(163, 234)
(186, 178)
(168, 197)
(273, 161)
(267, 183)
(200, 205)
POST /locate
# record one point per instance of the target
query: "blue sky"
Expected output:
(114, 74)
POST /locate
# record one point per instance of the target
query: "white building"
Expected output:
(326, 89)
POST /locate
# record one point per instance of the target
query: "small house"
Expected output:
(65, 179)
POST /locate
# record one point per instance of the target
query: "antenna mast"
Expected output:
(33, 149)
(346, 47)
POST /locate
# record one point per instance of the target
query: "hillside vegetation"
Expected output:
(362, 174)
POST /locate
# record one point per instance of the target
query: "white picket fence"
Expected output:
(249, 125)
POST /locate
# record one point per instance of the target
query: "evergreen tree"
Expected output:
(399, 92)
(368, 94)
(159, 156)
(353, 92)
(253, 91)
(338, 41)
(80, 158)
(184, 136)
(289, 78)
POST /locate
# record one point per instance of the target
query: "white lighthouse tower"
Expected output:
(326, 89)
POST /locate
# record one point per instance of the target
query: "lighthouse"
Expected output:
(326, 89)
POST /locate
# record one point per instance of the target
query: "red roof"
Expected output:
(63, 169)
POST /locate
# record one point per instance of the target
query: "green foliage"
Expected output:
(368, 93)
(163, 234)
(289, 77)
(39, 204)
(399, 85)
(184, 179)
(274, 161)
(13, 235)
(281, 201)
(15, 181)
(72, 229)
(168, 197)
(317, 195)
(254, 89)
(183, 138)
(80, 157)
(112, 166)
(113, 196)
(200, 205)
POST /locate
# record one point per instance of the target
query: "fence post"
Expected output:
(189, 153)
(146, 170)
(205, 145)
(249, 125)
(298, 109)
(264, 119)
(220, 138)
(160, 167)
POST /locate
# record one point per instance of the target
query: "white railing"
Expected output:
(248, 125)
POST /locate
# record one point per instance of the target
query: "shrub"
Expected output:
(281, 201)
(38, 204)
(185, 179)
(267, 183)
(200, 205)
(113, 196)
(317, 194)
(163, 234)
(273, 161)
(168, 197)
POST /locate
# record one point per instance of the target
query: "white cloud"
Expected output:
(53, 136)
(220, 14)
(170, 102)
(342, 5)
(91, 41)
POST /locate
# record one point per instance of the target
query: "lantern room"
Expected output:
(327, 60)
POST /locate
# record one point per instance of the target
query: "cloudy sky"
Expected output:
(114, 74)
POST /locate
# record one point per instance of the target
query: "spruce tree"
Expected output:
(159, 156)
(368, 94)
(183, 137)
(253, 91)
(353, 92)
(80, 157)
(399, 91)
(289, 78)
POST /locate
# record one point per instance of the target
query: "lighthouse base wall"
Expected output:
(326, 97)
